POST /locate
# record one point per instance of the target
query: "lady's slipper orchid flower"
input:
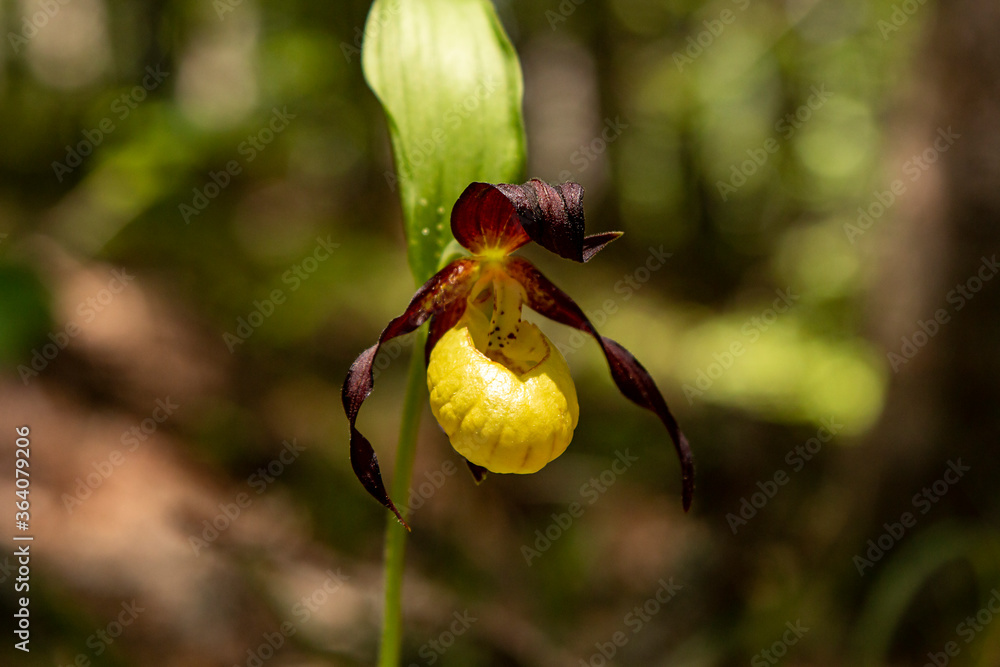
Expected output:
(498, 387)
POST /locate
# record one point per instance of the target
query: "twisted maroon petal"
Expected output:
(443, 321)
(506, 216)
(629, 375)
(553, 218)
(448, 286)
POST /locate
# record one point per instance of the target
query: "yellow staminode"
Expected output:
(510, 412)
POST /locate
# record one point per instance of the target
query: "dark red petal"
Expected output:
(596, 242)
(484, 218)
(553, 218)
(451, 283)
(636, 383)
(632, 379)
(443, 321)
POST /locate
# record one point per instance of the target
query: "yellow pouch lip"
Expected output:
(512, 418)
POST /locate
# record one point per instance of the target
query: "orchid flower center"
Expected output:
(505, 343)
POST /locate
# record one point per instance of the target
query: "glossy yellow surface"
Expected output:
(512, 413)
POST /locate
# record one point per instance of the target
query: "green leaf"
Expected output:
(906, 572)
(450, 83)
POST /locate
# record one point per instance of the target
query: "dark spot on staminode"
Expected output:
(509, 336)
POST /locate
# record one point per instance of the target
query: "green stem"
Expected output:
(395, 534)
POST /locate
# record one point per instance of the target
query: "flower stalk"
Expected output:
(395, 532)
